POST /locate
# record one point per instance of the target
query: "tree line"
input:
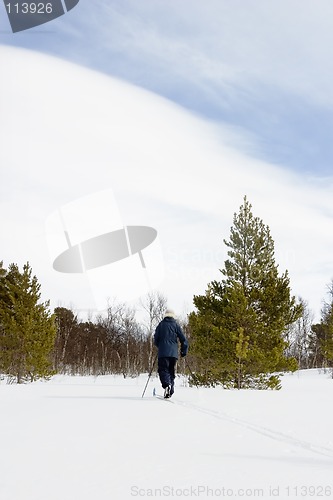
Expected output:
(245, 330)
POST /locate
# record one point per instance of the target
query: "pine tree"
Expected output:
(27, 329)
(240, 322)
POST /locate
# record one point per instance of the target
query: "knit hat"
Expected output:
(169, 313)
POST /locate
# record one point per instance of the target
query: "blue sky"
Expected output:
(197, 103)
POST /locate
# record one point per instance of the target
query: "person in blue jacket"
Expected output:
(167, 335)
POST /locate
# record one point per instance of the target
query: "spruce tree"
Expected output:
(238, 329)
(27, 329)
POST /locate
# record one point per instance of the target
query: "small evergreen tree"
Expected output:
(66, 339)
(27, 329)
(238, 329)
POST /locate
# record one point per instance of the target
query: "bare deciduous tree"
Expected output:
(299, 335)
(154, 304)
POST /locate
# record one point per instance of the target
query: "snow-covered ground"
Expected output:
(96, 438)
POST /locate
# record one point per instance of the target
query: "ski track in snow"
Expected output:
(265, 431)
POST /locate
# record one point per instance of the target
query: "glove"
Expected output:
(182, 354)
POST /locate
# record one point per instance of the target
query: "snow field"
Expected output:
(96, 438)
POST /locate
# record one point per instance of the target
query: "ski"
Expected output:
(159, 396)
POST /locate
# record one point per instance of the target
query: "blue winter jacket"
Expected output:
(166, 337)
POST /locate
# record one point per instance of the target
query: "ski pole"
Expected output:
(191, 373)
(151, 371)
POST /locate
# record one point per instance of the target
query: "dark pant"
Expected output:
(166, 371)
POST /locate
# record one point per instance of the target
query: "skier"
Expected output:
(166, 337)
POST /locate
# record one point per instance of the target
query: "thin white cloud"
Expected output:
(222, 47)
(222, 44)
(263, 66)
(67, 132)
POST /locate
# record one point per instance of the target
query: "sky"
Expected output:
(179, 109)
